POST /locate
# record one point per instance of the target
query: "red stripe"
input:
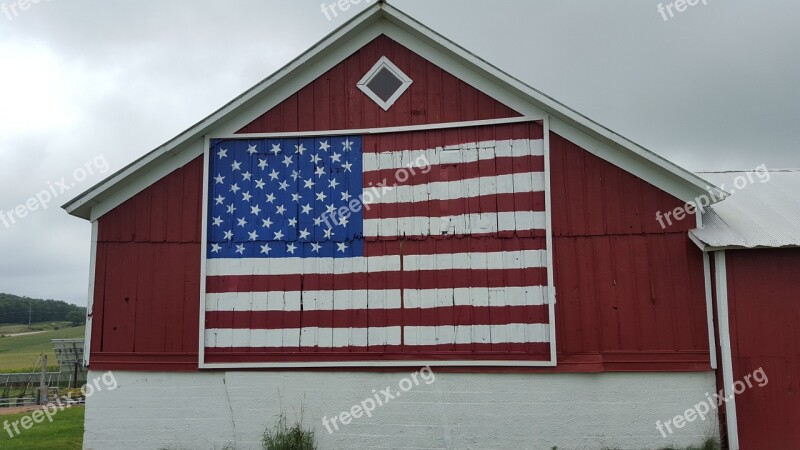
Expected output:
(441, 138)
(504, 165)
(364, 318)
(432, 245)
(424, 279)
(531, 351)
(533, 201)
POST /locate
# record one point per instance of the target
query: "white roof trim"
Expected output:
(382, 18)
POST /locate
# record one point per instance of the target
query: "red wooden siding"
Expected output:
(630, 295)
(333, 102)
(147, 288)
(764, 312)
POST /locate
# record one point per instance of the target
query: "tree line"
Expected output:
(16, 309)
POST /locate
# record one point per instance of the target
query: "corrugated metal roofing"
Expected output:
(763, 210)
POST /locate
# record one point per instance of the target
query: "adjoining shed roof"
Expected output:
(382, 18)
(763, 211)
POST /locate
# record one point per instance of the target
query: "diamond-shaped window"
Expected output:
(384, 83)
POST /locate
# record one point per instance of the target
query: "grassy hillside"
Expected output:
(20, 353)
(64, 433)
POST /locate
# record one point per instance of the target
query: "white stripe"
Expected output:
(477, 260)
(289, 266)
(451, 190)
(477, 334)
(311, 337)
(512, 296)
(459, 225)
(310, 300)
(464, 153)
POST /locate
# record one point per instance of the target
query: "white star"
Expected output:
(280, 210)
(347, 145)
(342, 246)
(219, 179)
(246, 196)
(315, 159)
(315, 247)
(291, 248)
(299, 149)
(347, 166)
(270, 198)
(231, 208)
(293, 222)
(287, 160)
(276, 148)
(321, 196)
(295, 175)
(278, 235)
(240, 249)
(242, 222)
(222, 153)
(336, 157)
(262, 164)
(304, 233)
(333, 183)
(255, 210)
(235, 188)
(283, 185)
(217, 221)
(246, 176)
(266, 223)
(343, 221)
(236, 165)
(309, 183)
(296, 198)
(328, 233)
(260, 184)
(253, 235)
(346, 195)
(228, 235)
(251, 149)
(265, 249)
(219, 199)
(323, 145)
(330, 209)
(215, 248)
(317, 221)
(320, 171)
(307, 209)
(273, 175)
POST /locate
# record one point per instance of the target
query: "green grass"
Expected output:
(65, 433)
(21, 353)
(12, 328)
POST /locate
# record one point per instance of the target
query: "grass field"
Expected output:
(64, 433)
(20, 353)
(13, 328)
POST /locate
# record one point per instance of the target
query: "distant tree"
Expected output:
(16, 309)
(77, 318)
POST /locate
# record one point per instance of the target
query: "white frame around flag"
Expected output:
(382, 363)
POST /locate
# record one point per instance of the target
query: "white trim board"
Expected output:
(378, 19)
(87, 343)
(725, 347)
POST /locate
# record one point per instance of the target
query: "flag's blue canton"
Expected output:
(269, 198)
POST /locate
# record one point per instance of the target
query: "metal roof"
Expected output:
(763, 210)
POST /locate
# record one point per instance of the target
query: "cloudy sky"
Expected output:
(87, 86)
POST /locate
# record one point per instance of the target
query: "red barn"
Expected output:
(389, 201)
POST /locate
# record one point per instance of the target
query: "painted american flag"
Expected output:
(356, 248)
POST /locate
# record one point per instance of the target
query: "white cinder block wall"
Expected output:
(230, 410)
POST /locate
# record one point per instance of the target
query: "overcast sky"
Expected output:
(94, 84)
